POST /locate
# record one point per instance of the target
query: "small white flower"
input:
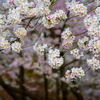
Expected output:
(76, 8)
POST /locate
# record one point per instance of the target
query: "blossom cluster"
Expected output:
(5, 34)
(83, 43)
(74, 73)
(94, 31)
(16, 46)
(55, 61)
(18, 8)
(93, 63)
(94, 45)
(76, 53)
(2, 22)
(4, 44)
(93, 27)
(20, 32)
(40, 49)
(67, 38)
(53, 19)
(91, 20)
(97, 11)
(41, 8)
(76, 8)
(14, 16)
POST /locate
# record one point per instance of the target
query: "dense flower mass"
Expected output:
(19, 2)
(4, 44)
(2, 22)
(55, 61)
(97, 11)
(21, 32)
(74, 73)
(83, 43)
(93, 63)
(13, 16)
(94, 31)
(75, 52)
(92, 25)
(67, 38)
(53, 19)
(40, 49)
(91, 20)
(94, 45)
(76, 8)
(23, 16)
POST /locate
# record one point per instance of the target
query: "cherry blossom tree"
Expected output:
(49, 49)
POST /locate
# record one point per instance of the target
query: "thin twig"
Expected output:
(88, 69)
(69, 51)
(81, 33)
(53, 4)
(35, 40)
(29, 22)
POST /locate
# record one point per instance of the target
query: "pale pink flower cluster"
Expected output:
(4, 44)
(97, 11)
(14, 16)
(55, 61)
(19, 2)
(83, 43)
(40, 48)
(16, 46)
(75, 52)
(9, 3)
(93, 63)
(44, 10)
(41, 8)
(39, 11)
(2, 22)
(76, 8)
(91, 20)
(5, 34)
(67, 38)
(74, 73)
(45, 2)
(20, 32)
(23, 7)
(33, 12)
(93, 27)
(53, 19)
(94, 31)
(94, 45)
